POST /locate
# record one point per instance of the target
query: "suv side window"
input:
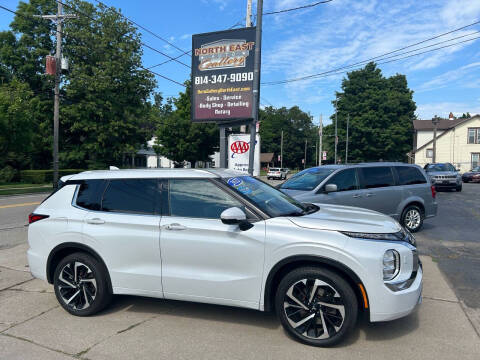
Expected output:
(377, 176)
(90, 194)
(199, 198)
(409, 175)
(345, 180)
(134, 196)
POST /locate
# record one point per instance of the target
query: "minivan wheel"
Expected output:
(80, 285)
(412, 218)
(316, 306)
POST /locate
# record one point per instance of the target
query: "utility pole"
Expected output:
(256, 86)
(281, 151)
(346, 145)
(320, 135)
(336, 136)
(248, 23)
(305, 157)
(58, 18)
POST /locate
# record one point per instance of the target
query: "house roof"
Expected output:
(444, 124)
(446, 130)
(266, 157)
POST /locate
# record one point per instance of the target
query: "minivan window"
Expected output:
(377, 176)
(90, 194)
(136, 196)
(409, 175)
(199, 198)
(307, 179)
(345, 180)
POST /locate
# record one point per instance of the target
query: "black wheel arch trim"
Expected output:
(353, 278)
(80, 248)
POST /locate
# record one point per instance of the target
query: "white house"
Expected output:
(458, 142)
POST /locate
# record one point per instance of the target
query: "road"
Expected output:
(14, 212)
(453, 240)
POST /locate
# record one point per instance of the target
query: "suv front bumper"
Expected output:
(401, 302)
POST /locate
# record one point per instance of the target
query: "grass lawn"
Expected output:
(21, 188)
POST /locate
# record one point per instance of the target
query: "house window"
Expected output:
(429, 153)
(473, 136)
(475, 160)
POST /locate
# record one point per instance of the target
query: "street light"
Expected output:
(435, 122)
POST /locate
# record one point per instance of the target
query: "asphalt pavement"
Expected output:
(14, 212)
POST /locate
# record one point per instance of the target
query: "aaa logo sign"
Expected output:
(239, 147)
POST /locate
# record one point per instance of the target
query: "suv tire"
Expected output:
(412, 218)
(459, 188)
(81, 284)
(308, 297)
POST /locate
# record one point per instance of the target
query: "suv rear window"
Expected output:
(136, 196)
(377, 176)
(409, 175)
(90, 194)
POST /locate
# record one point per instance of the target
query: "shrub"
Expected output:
(44, 176)
(7, 174)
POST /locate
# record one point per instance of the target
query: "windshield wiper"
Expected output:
(294, 213)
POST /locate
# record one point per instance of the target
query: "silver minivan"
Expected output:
(400, 190)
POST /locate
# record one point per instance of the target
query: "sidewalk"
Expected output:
(34, 326)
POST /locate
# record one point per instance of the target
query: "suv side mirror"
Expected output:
(331, 188)
(458, 170)
(232, 216)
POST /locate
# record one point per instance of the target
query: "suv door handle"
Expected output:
(175, 226)
(370, 194)
(95, 221)
(357, 196)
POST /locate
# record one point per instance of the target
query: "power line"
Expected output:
(141, 42)
(141, 27)
(370, 59)
(297, 8)
(72, 37)
(335, 72)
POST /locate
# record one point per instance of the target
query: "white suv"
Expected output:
(277, 173)
(224, 238)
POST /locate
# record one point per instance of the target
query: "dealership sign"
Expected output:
(222, 75)
(238, 153)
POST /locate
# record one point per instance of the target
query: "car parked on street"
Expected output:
(444, 176)
(221, 237)
(472, 176)
(399, 190)
(277, 173)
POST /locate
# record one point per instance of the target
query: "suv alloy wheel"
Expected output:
(412, 218)
(316, 306)
(80, 285)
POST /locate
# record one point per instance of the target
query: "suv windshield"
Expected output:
(307, 179)
(439, 167)
(267, 198)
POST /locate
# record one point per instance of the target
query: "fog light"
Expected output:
(391, 264)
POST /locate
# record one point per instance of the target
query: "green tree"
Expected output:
(381, 111)
(22, 56)
(178, 138)
(18, 109)
(297, 127)
(109, 111)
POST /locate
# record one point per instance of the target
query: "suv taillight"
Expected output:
(434, 192)
(36, 217)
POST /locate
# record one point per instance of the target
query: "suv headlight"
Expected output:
(391, 264)
(402, 235)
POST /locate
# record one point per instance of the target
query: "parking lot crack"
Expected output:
(34, 343)
(440, 299)
(24, 321)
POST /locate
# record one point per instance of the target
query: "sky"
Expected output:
(323, 38)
